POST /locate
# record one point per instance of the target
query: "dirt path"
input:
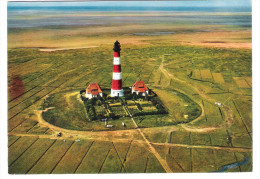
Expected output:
(54, 136)
(206, 129)
(170, 76)
(234, 149)
(66, 133)
(57, 49)
(153, 150)
(68, 95)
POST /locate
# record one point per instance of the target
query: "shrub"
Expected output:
(99, 102)
(139, 107)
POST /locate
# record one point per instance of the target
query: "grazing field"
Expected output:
(197, 74)
(242, 82)
(137, 158)
(206, 74)
(178, 137)
(17, 148)
(68, 164)
(26, 161)
(218, 78)
(198, 117)
(249, 80)
(51, 157)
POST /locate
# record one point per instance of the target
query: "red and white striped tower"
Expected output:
(117, 89)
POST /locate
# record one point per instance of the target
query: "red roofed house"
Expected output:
(93, 91)
(140, 87)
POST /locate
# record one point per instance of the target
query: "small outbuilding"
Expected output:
(93, 90)
(140, 88)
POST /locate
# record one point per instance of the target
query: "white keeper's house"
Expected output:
(140, 87)
(93, 90)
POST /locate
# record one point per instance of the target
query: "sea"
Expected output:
(55, 16)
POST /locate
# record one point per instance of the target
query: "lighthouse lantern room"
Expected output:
(117, 89)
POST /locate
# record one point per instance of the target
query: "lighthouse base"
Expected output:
(117, 93)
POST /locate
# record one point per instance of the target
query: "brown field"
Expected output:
(241, 82)
(249, 80)
(222, 44)
(82, 37)
(220, 39)
(206, 74)
(218, 78)
(197, 74)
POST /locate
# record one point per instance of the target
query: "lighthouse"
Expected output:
(117, 89)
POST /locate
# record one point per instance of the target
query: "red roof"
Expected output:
(139, 86)
(94, 89)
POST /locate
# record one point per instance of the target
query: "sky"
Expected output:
(178, 3)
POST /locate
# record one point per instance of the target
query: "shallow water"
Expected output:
(128, 8)
(233, 165)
